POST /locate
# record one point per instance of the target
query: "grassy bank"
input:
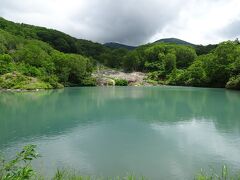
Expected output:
(68, 175)
(19, 81)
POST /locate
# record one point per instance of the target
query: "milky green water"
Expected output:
(158, 132)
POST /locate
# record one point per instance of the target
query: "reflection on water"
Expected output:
(167, 132)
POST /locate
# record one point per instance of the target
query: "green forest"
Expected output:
(34, 57)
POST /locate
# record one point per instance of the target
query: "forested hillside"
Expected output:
(175, 41)
(35, 57)
(32, 64)
(180, 65)
(114, 45)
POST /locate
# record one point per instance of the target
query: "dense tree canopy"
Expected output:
(215, 69)
(23, 58)
(180, 65)
(55, 58)
(58, 40)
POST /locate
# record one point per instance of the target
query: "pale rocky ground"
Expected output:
(106, 77)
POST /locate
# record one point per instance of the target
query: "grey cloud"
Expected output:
(232, 30)
(127, 21)
(131, 22)
(17, 6)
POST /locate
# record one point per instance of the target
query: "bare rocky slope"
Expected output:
(107, 77)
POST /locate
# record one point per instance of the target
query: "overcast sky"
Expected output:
(131, 22)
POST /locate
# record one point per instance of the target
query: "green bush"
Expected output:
(53, 81)
(121, 82)
(16, 80)
(3, 49)
(152, 82)
(177, 78)
(155, 75)
(6, 64)
(29, 70)
(90, 81)
(234, 83)
(20, 167)
(72, 69)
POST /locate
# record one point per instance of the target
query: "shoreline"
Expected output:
(23, 90)
(41, 90)
(113, 78)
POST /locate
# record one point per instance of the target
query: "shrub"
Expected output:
(155, 75)
(20, 166)
(29, 70)
(152, 82)
(16, 80)
(234, 83)
(90, 81)
(177, 78)
(121, 82)
(53, 81)
(6, 64)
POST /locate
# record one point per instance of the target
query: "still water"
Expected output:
(158, 132)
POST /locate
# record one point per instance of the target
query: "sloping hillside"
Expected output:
(175, 41)
(114, 45)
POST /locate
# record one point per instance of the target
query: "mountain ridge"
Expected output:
(175, 41)
(115, 45)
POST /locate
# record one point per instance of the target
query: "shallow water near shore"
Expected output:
(157, 132)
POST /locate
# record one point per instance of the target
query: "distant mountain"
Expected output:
(175, 41)
(114, 45)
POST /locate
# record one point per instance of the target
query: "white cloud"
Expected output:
(130, 21)
(201, 21)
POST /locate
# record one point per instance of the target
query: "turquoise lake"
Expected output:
(158, 132)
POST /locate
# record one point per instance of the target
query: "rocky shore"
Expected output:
(13, 82)
(108, 77)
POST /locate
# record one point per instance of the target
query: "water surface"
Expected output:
(158, 132)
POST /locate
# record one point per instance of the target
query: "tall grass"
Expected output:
(68, 175)
(225, 174)
(19, 168)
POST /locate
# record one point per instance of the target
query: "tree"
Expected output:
(6, 64)
(131, 61)
(219, 64)
(169, 63)
(234, 83)
(196, 75)
(72, 69)
(37, 54)
(185, 56)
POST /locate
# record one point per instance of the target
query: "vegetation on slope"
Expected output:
(63, 42)
(180, 65)
(33, 64)
(114, 45)
(55, 58)
(175, 41)
(16, 80)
